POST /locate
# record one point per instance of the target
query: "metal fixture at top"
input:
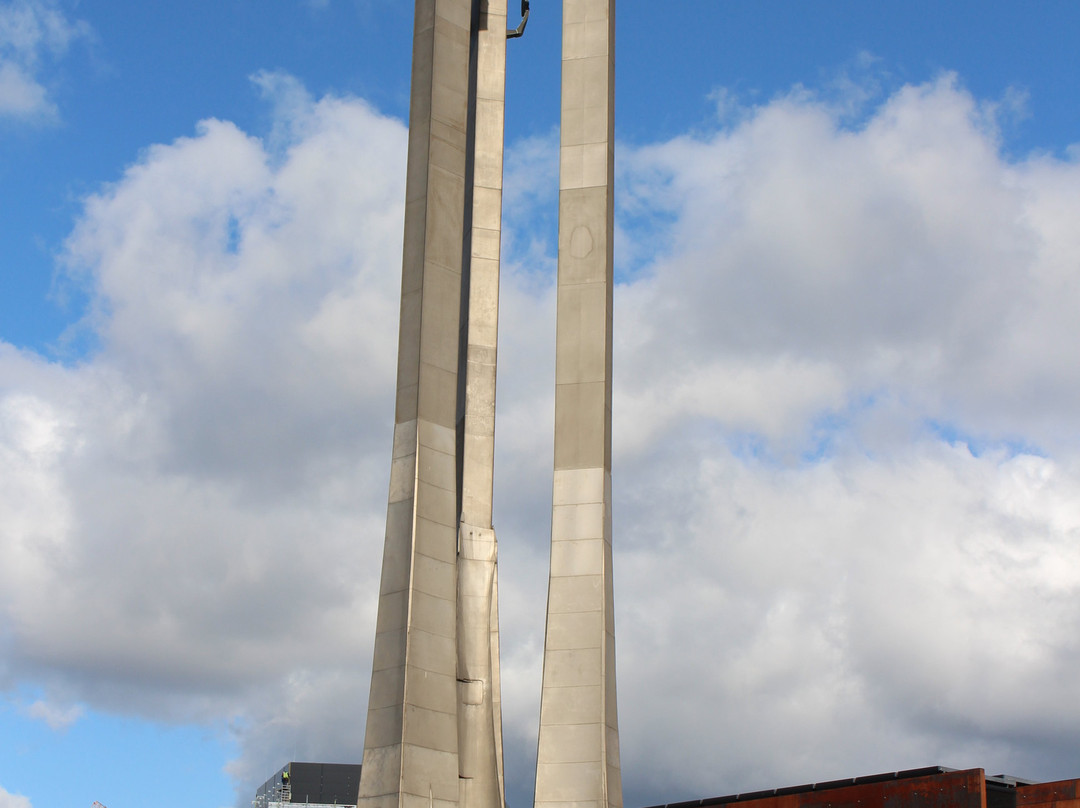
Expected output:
(513, 33)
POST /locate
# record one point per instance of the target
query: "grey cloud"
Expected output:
(787, 625)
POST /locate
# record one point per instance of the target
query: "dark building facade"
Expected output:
(311, 784)
(934, 787)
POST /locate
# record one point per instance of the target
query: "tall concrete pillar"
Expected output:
(578, 755)
(433, 736)
(480, 714)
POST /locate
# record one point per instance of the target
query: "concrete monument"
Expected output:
(434, 728)
(433, 735)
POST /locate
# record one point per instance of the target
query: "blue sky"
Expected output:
(141, 75)
(847, 449)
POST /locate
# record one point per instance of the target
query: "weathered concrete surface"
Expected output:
(433, 735)
(479, 706)
(578, 756)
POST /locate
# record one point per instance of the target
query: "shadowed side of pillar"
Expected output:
(479, 707)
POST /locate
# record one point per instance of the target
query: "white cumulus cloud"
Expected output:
(9, 800)
(820, 264)
(55, 715)
(33, 34)
(846, 457)
(164, 554)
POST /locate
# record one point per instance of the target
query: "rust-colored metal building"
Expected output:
(934, 787)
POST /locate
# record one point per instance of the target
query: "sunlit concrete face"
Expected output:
(578, 756)
(433, 735)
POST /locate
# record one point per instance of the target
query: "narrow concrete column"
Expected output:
(578, 756)
(479, 708)
(411, 742)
